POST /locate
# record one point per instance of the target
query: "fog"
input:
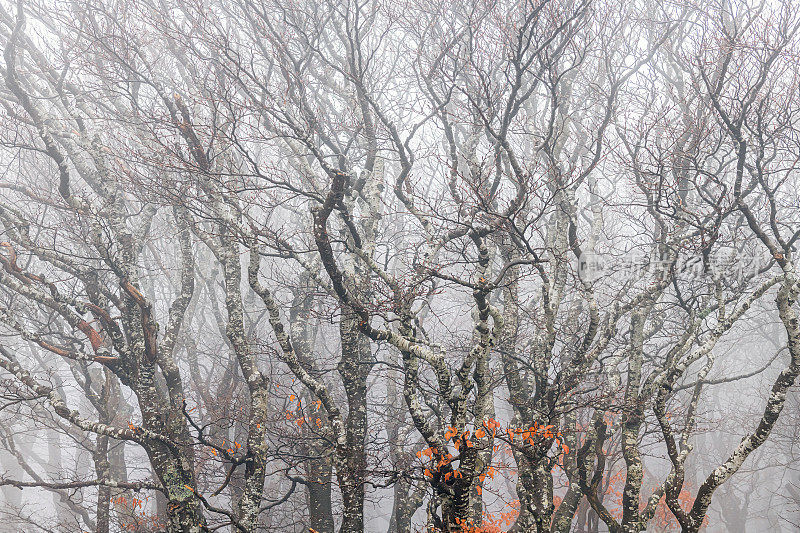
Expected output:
(341, 266)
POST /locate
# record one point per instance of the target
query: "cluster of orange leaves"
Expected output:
(484, 527)
(442, 460)
(301, 419)
(501, 519)
(537, 433)
(133, 515)
(232, 450)
(531, 435)
(491, 522)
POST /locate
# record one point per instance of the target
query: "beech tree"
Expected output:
(326, 265)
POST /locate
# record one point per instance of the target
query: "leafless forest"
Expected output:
(399, 266)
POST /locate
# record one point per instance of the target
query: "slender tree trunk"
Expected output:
(320, 509)
(631, 425)
(354, 369)
(103, 469)
(407, 499)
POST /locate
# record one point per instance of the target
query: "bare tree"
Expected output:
(346, 266)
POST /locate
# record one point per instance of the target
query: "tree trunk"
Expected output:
(320, 508)
(354, 369)
(103, 469)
